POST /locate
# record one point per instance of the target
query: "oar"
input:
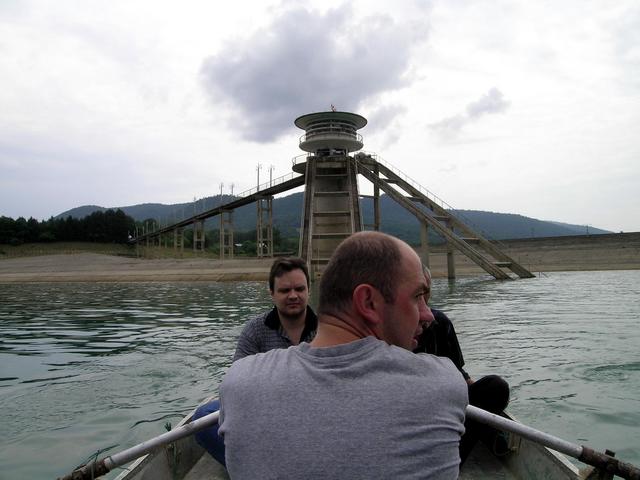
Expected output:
(103, 466)
(586, 455)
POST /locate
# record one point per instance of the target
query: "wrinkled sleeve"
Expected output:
(247, 342)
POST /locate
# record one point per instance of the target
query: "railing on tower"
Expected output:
(330, 133)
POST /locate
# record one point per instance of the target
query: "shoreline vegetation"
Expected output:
(94, 262)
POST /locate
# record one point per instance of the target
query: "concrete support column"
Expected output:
(264, 227)
(198, 235)
(424, 244)
(226, 234)
(451, 260)
(178, 240)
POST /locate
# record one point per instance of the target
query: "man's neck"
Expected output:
(294, 326)
(335, 330)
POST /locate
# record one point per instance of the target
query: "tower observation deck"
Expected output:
(330, 133)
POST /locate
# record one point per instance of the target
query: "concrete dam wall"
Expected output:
(616, 251)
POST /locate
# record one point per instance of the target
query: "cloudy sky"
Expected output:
(508, 106)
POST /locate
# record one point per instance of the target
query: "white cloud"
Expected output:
(306, 60)
(490, 103)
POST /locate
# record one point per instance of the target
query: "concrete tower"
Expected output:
(331, 208)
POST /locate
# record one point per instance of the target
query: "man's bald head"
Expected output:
(372, 258)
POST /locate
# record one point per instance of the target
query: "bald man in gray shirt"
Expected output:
(355, 402)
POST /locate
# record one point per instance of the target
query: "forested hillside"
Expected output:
(102, 225)
(395, 219)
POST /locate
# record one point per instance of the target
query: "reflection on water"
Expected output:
(86, 366)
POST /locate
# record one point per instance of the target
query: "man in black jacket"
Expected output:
(490, 393)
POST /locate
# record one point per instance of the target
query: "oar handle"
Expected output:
(89, 471)
(609, 464)
(105, 465)
(586, 455)
(502, 423)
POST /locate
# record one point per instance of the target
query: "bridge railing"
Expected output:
(274, 182)
(159, 224)
(300, 158)
(429, 194)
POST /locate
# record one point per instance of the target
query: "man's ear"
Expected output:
(367, 302)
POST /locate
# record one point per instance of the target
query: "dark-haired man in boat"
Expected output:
(290, 322)
(352, 402)
(490, 392)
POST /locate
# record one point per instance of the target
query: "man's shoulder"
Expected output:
(436, 363)
(442, 324)
(418, 362)
(440, 316)
(257, 322)
(267, 356)
(257, 364)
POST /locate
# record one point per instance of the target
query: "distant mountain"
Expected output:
(394, 218)
(581, 229)
(81, 212)
(497, 226)
(509, 225)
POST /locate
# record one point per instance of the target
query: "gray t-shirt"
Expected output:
(359, 410)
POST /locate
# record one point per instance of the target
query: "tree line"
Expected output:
(245, 241)
(109, 226)
(114, 226)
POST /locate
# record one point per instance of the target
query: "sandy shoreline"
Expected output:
(93, 267)
(596, 252)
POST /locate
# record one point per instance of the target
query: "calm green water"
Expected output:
(88, 366)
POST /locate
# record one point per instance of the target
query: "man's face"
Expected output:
(403, 319)
(290, 294)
